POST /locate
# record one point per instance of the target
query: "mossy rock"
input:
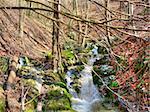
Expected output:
(58, 99)
(57, 91)
(2, 105)
(53, 77)
(84, 59)
(2, 100)
(4, 64)
(29, 82)
(99, 107)
(56, 77)
(31, 85)
(59, 104)
(30, 107)
(80, 68)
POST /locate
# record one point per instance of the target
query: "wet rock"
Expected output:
(58, 99)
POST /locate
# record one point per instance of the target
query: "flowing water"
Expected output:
(88, 99)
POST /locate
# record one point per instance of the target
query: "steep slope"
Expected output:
(35, 41)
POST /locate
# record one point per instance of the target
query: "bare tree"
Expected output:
(12, 101)
(55, 38)
(20, 20)
(86, 26)
(107, 18)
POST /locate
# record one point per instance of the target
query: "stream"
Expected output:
(89, 98)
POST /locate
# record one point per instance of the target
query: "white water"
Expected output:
(38, 79)
(89, 97)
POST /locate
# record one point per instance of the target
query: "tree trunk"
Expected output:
(131, 12)
(12, 102)
(107, 18)
(12, 73)
(55, 38)
(86, 26)
(20, 20)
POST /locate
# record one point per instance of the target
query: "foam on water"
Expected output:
(89, 95)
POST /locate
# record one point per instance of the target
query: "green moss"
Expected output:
(30, 108)
(49, 54)
(2, 100)
(2, 105)
(54, 77)
(59, 104)
(114, 84)
(68, 110)
(58, 99)
(56, 91)
(84, 59)
(80, 68)
(27, 60)
(29, 82)
(61, 84)
(4, 64)
(97, 81)
(68, 55)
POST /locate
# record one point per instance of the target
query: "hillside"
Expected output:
(35, 36)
